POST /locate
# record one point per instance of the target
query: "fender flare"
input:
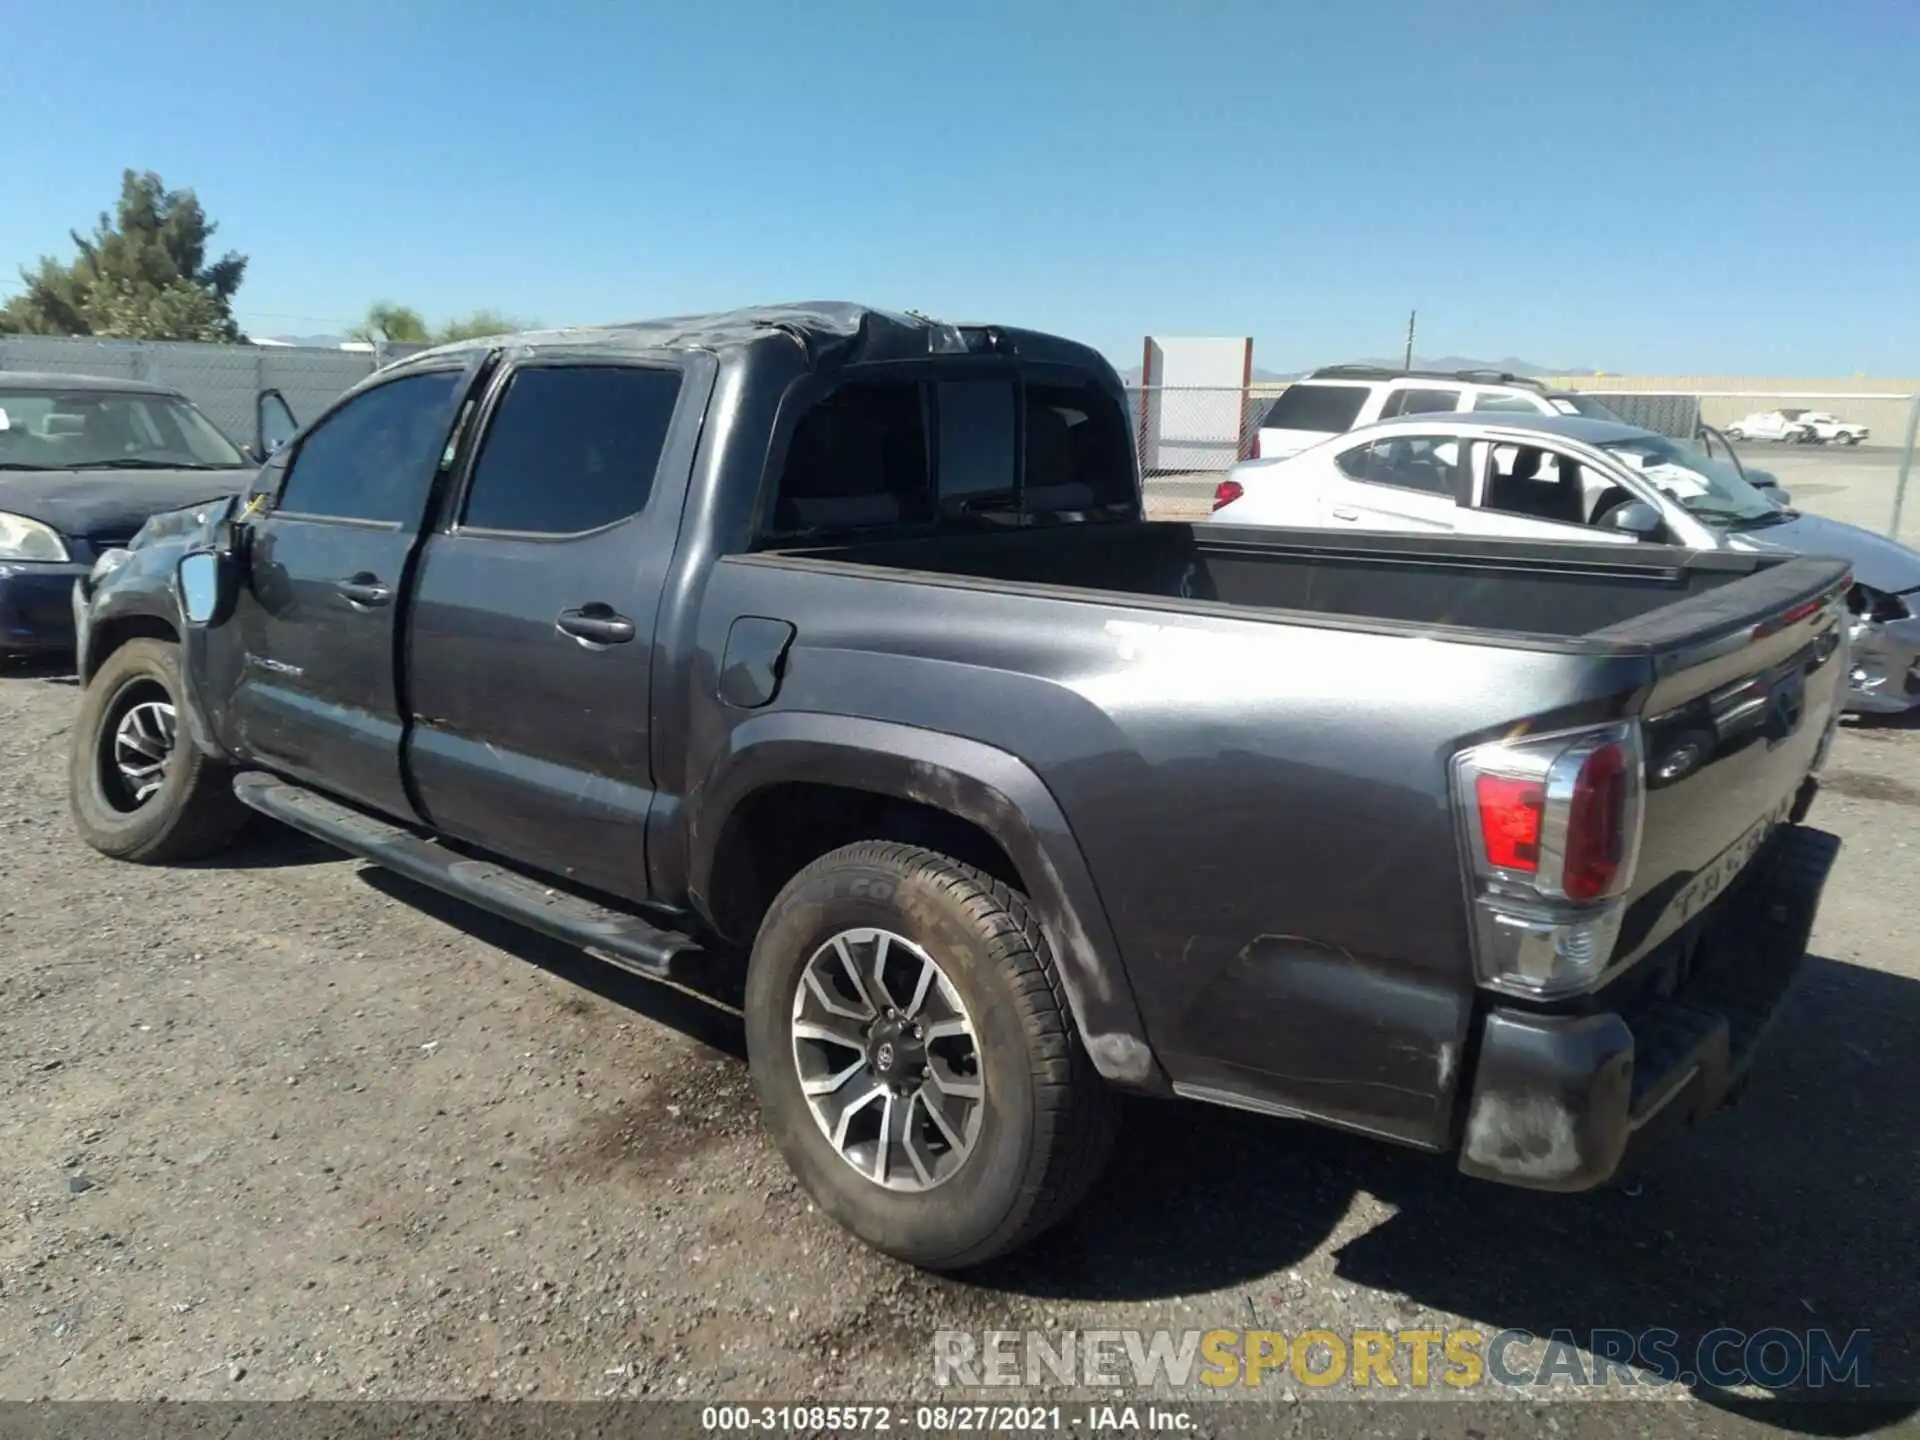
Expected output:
(975, 782)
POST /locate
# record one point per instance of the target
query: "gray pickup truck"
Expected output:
(834, 643)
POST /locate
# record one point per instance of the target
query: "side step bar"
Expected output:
(611, 935)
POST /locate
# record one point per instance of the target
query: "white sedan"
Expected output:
(1569, 478)
(1545, 477)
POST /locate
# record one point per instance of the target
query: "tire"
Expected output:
(193, 811)
(1045, 1119)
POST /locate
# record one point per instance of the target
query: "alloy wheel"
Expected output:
(138, 746)
(888, 1059)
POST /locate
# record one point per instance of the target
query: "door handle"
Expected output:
(596, 624)
(365, 590)
(1340, 512)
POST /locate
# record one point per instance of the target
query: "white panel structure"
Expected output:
(1192, 403)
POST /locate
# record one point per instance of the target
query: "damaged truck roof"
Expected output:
(843, 331)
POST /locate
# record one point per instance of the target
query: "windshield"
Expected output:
(1708, 488)
(102, 430)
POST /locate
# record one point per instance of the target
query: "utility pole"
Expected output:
(1411, 314)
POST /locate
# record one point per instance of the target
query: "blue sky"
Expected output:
(1684, 185)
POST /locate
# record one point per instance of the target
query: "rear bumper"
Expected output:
(36, 605)
(1559, 1101)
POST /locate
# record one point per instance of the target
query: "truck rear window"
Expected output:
(1329, 409)
(891, 453)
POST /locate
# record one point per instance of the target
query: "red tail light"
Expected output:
(1559, 814)
(1596, 825)
(1551, 829)
(1226, 492)
(1253, 450)
(1510, 821)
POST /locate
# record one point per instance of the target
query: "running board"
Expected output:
(611, 935)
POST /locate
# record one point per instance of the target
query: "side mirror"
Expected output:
(1636, 517)
(209, 582)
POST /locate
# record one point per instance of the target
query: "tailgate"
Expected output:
(1749, 683)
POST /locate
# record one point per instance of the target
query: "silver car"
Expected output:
(1571, 477)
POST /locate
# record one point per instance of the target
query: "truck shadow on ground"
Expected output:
(1792, 1209)
(267, 845)
(709, 1015)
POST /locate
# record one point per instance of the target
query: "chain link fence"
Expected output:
(1873, 410)
(1187, 436)
(223, 380)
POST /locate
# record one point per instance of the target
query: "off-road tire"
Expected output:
(1048, 1121)
(193, 814)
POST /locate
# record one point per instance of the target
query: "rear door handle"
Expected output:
(1340, 512)
(595, 623)
(365, 590)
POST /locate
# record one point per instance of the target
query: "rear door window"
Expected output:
(572, 448)
(1328, 409)
(1428, 464)
(1419, 402)
(1505, 402)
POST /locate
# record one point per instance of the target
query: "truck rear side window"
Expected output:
(858, 458)
(862, 457)
(572, 448)
(1079, 451)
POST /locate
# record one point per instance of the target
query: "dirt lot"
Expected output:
(296, 1128)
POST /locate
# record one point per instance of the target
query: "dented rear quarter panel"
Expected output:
(1262, 807)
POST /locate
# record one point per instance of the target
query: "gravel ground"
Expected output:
(296, 1128)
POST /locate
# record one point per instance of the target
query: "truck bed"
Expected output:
(1521, 590)
(1249, 732)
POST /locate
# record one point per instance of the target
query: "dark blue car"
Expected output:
(84, 462)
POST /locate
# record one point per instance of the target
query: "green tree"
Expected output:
(479, 323)
(142, 275)
(388, 321)
(403, 324)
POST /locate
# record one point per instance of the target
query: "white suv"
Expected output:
(1337, 398)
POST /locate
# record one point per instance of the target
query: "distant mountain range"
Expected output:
(1444, 363)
